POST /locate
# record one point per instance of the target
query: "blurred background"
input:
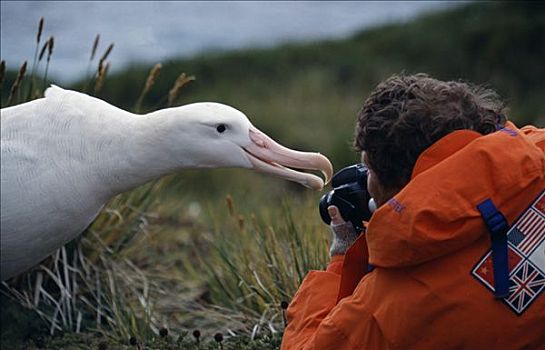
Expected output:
(219, 251)
(153, 31)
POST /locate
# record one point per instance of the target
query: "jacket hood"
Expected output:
(436, 213)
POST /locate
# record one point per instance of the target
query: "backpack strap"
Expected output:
(498, 227)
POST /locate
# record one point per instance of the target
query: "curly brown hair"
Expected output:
(406, 114)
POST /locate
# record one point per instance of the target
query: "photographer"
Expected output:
(454, 256)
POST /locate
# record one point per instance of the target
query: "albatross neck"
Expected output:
(138, 150)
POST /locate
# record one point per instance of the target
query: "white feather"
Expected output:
(65, 155)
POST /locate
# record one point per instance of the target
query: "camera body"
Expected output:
(350, 195)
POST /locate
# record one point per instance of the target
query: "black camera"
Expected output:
(350, 195)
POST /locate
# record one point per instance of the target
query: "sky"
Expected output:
(155, 31)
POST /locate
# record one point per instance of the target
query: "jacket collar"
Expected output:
(443, 149)
(436, 214)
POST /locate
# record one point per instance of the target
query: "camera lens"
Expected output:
(324, 203)
(349, 195)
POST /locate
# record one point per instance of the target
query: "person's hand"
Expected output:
(344, 233)
(336, 218)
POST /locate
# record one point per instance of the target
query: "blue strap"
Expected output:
(498, 227)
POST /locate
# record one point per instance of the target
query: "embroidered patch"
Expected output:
(508, 131)
(396, 205)
(526, 258)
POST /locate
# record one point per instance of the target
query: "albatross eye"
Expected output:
(221, 128)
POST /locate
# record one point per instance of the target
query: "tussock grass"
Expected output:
(265, 261)
(89, 283)
(144, 265)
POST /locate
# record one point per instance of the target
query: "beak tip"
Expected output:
(327, 171)
(323, 164)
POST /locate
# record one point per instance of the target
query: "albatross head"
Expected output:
(217, 135)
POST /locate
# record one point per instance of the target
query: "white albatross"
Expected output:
(65, 155)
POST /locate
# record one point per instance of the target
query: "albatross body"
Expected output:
(65, 155)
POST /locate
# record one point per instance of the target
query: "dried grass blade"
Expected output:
(2, 73)
(40, 29)
(95, 46)
(17, 83)
(50, 45)
(37, 288)
(150, 81)
(107, 52)
(43, 50)
(180, 82)
(101, 76)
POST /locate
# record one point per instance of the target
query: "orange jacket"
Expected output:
(431, 287)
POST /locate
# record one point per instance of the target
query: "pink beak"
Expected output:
(268, 156)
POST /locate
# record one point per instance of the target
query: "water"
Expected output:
(155, 31)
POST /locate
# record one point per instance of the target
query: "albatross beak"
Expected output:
(268, 156)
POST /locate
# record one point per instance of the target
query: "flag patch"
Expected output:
(526, 258)
(525, 284)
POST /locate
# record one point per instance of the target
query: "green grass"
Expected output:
(226, 269)
(178, 254)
